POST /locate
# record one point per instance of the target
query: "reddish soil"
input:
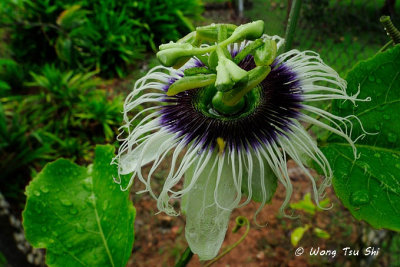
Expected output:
(160, 239)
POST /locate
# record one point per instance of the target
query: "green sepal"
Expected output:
(264, 55)
(191, 82)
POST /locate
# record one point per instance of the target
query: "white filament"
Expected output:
(213, 185)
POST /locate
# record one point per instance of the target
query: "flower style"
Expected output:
(231, 118)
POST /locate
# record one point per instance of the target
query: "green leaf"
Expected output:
(63, 49)
(370, 186)
(321, 233)
(305, 205)
(72, 17)
(4, 85)
(79, 214)
(308, 206)
(378, 78)
(3, 260)
(297, 234)
(7, 62)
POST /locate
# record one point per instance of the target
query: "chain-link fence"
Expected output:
(342, 31)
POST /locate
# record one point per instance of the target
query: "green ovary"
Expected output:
(207, 102)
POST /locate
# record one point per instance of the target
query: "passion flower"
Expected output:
(231, 114)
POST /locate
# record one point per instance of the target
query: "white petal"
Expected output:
(208, 206)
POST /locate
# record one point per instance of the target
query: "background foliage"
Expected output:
(55, 100)
(61, 91)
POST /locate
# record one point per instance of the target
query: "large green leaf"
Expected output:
(79, 214)
(378, 78)
(370, 186)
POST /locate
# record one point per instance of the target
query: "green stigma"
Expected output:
(230, 83)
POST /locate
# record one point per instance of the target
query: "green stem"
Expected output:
(292, 23)
(240, 221)
(170, 54)
(256, 76)
(391, 30)
(185, 258)
(385, 46)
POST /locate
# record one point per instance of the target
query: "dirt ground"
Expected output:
(160, 239)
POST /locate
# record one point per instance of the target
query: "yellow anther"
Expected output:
(221, 145)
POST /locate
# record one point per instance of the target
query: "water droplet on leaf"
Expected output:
(66, 202)
(392, 137)
(79, 228)
(359, 198)
(38, 210)
(105, 204)
(73, 211)
(36, 193)
(87, 184)
(44, 189)
(91, 201)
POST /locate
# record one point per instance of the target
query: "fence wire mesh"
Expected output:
(341, 31)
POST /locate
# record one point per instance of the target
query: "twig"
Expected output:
(292, 23)
(240, 221)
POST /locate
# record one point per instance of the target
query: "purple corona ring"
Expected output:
(280, 98)
(226, 160)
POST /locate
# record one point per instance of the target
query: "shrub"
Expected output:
(105, 35)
